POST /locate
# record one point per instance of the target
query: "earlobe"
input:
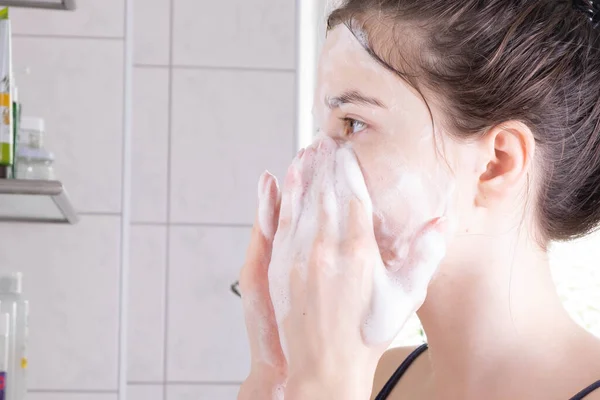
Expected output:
(507, 151)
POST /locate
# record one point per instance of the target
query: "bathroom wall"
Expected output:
(213, 106)
(214, 101)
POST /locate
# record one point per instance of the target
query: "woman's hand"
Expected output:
(268, 371)
(337, 306)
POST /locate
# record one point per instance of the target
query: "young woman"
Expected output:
(492, 108)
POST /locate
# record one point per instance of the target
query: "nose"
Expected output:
(332, 134)
(326, 142)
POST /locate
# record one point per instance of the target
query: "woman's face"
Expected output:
(388, 125)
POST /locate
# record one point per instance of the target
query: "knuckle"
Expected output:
(353, 243)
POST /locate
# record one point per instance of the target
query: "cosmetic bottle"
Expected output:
(6, 112)
(4, 338)
(16, 306)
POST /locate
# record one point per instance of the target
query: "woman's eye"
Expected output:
(354, 126)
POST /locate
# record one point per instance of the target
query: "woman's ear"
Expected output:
(507, 156)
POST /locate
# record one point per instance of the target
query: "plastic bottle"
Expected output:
(33, 160)
(6, 117)
(16, 122)
(13, 303)
(4, 339)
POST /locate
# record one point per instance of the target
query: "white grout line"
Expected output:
(186, 383)
(72, 391)
(125, 199)
(191, 224)
(75, 37)
(168, 200)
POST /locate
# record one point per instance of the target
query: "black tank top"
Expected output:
(395, 378)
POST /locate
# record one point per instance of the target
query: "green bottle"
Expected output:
(7, 155)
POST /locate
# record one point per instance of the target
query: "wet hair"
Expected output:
(493, 61)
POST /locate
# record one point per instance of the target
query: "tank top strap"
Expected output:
(395, 378)
(397, 375)
(588, 390)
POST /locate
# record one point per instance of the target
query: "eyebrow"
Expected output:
(352, 97)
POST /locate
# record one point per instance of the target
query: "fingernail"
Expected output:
(268, 186)
(272, 189)
(266, 200)
(262, 184)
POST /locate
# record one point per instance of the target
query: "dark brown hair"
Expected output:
(492, 61)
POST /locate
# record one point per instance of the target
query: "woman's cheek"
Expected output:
(404, 201)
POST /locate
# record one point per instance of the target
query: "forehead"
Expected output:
(343, 58)
(345, 65)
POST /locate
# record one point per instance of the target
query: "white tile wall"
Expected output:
(206, 336)
(145, 392)
(152, 30)
(77, 87)
(236, 33)
(232, 116)
(227, 128)
(150, 145)
(93, 18)
(71, 396)
(71, 279)
(147, 303)
(212, 392)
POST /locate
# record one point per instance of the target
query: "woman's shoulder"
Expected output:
(389, 363)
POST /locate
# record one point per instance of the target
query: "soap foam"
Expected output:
(395, 292)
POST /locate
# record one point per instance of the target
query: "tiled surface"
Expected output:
(227, 128)
(152, 32)
(147, 392)
(150, 144)
(236, 33)
(147, 303)
(96, 18)
(207, 338)
(72, 281)
(71, 396)
(212, 392)
(77, 87)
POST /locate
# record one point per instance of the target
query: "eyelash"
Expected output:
(348, 123)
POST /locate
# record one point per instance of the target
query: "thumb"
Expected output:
(427, 251)
(397, 294)
(254, 286)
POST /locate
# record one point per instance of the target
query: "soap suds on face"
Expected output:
(330, 177)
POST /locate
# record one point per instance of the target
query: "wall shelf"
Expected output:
(35, 201)
(45, 4)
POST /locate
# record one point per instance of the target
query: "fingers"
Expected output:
(258, 309)
(348, 171)
(358, 232)
(268, 205)
(427, 252)
(291, 196)
(324, 196)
